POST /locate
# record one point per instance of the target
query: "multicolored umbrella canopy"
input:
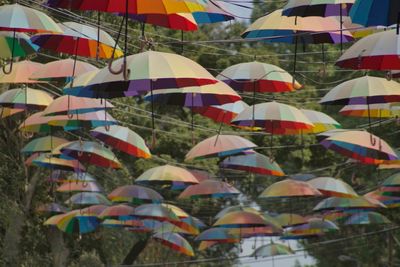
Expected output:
(290, 188)
(290, 219)
(50, 162)
(88, 198)
(258, 77)
(93, 153)
(255, 163)
(79, 40)
(195, 96)
(165, 227)
(243, 219)
(150, 70)
(332, 187)
(156, 212)
(236, 208)
(62, 70)
(214, 236)
(77, 222)
(275, 118)
(123, 139)
(8, 112)
(367, 218)
(338, 203)
(181, 21)
(23, 47)
(134, 194)
(73, 88)
(84, 186)
(388, 201)
(78, 121)
(219, 146)
(321, 121)
(51, 208)
(371, 111)
(73, 177)
(378, 51)
(29, 20)
(67, 105)
(271, 250)
(375, 12)
(315, 226)
(166, 174)
(222, 113)
(318, 8)
(363, 91)
(37, 123)
(360, 145)
(175, 242)
(25, 98)
(117, 211)
(20, 72)
(216, 11)
(209, 189)
(315, 30)
(43, 144)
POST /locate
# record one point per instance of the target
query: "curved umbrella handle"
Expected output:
(372, 139)
(5, 71)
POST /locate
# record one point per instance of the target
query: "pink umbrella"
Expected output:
(20, 73)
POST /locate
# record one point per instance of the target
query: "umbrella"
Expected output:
(134, 194)
(388, 201)
(360, 145)
(120, 212)
(51, 208)
(123, 139)
(84, 186)
(7, 112)
(235, 208)
(73, 105)
(48, 161)
(156, 212)
(37, 123)
(88, 198)
(324, 8)
(375, 13)
(321, 121)
(219, 146)
(315, 226)
(332, 187)
(165, 228)
(78, 40)
(258, 77)
(175, 242)
(29, 20)
(73, 87)
(43, 144)
(243, 219)
(25, 98)
(209, 189)
(93, 153)
(338, 203)
(62, 70)
(290, 219)
(254, 163)
(167, 174)
(78, 222)
(290, 188)
(378, 51)
(78, 121)
(23, 47)
(373, 111)
(367, 218)
(222, 113)
(149, 71)
(20, 72)
(74, 177)
(271, 250)
(127, 224)
(219, 235)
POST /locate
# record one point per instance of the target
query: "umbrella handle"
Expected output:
(125, 72)
(372, 140)
(398, 24)
(389, 75)
(12, 57)
(5, 71)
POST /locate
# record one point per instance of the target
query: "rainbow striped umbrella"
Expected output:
(318, 8)
(258, 77)
(235, 208)
(275, 118)
(62, 70)
(375, 12)
(120, 212)
(84, 186)
(78, 222)
(370, 217)
(222, 113)
(175, 242)
(271, 250)
(88, 198)
(314, 226)
(167, 174)
(43, 144)
(378, 51)
(289, 188)
(123, 139)
(79, 40)
(332, 187)
(360, 145)
(389, 201)
(51, 208)
(165, 227)
(337, 203)
(371, 111)
(77, 121)
(8, 112)
(93, 153)
(25, 98)
(73, 105)
(219, 146)
(242, 219)
(37, 123)
(321, 121)
(209, 189)
(135, 194)
(216, 11)
(220, 235)
(20, 72)
(23, 47)
(50, 162)
(290, 219)
(255, 163)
